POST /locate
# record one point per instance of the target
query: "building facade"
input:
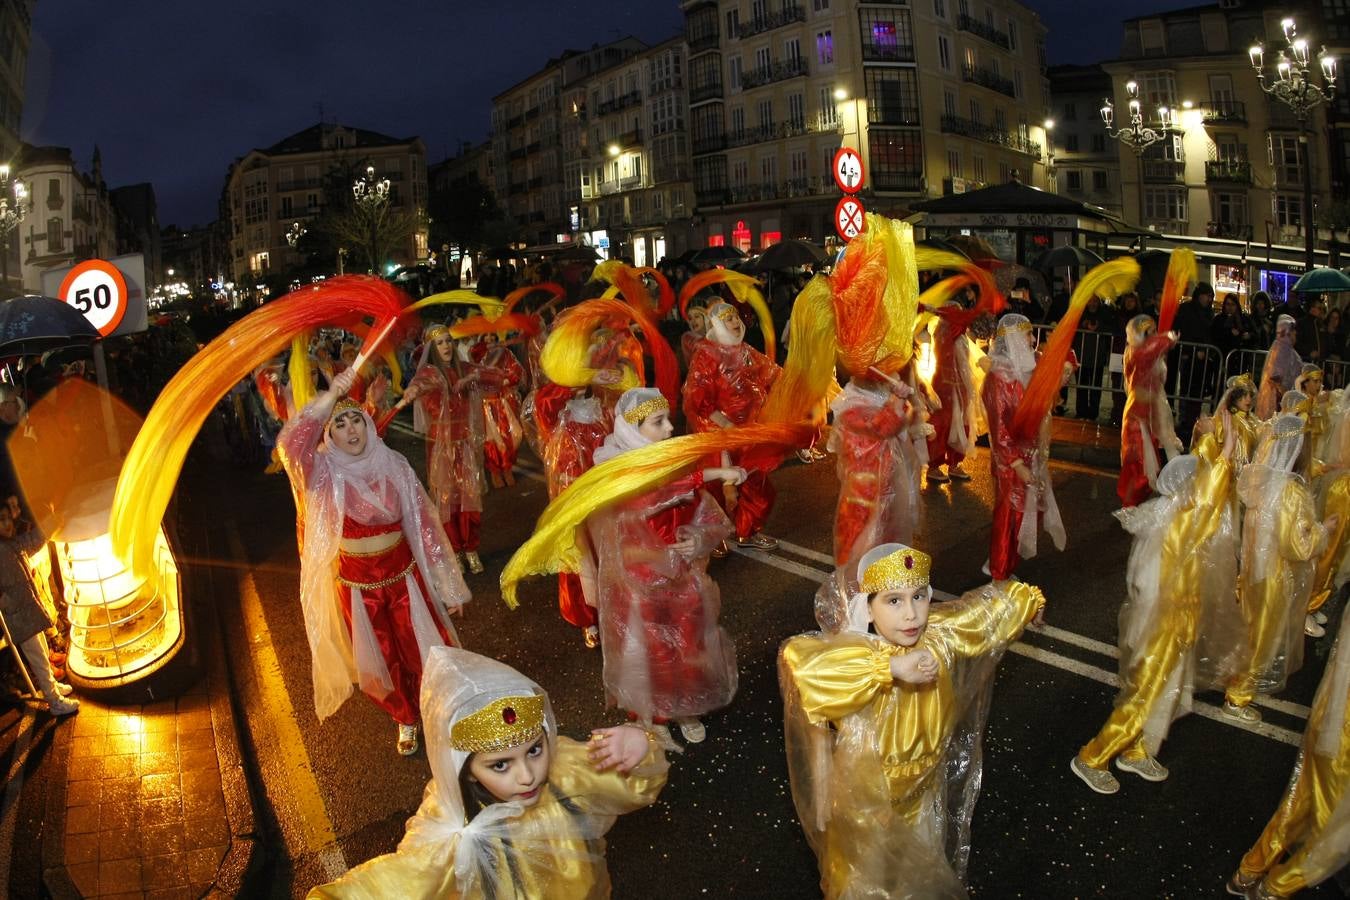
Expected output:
(939, 97)
(138, 230)
(16, 25)
(72, 216)
(268, 190)
(1086, 164)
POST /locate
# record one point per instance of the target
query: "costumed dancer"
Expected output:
(884, 730)
(367, 517)
(697, 317)
(1281, 536)
(513, 808)
(448, 392)
(665, 655)
(502, 431)
(1333, 503)
(1282, 368)
(1167, 576)
(580, 429)
(1314, 411)
(1147, 426)
(727, 384)
(953, 417)
(1305, 842)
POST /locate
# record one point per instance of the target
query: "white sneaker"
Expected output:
(63, 706)
(64, 689)
(1312, 629)
(692, 730)
(985, 569)
(407, 740)
(1146, 768)
(1100, 780)
(1241, 713)
(475, 564)
(1321, 617)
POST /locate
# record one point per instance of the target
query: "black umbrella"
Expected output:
(32, 325)
(790, 254)
(1152, 272)
(715, 255)
(943, 244)
(1068, 256)
(577, 253)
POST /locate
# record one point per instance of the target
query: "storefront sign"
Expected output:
(1003, 220)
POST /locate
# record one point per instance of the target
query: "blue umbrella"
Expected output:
(1322, 281)
(33, 325)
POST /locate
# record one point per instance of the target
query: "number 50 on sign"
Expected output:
(98, 291)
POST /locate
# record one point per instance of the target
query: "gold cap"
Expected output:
(1242, 382)
(346, 404)
(501, 725)
(905, 568)
(647, 408)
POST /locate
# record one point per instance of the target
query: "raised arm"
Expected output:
(837, 675)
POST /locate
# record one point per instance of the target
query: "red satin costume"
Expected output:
(867, 465)
(1144, 386)
(1001, 395)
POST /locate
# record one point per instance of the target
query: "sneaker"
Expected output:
(591, 636)
(475, 564)
(63, 706)
(1312, 629)
(1321, 617)
(692, 730)
(818, 454)
(805, 456)
(1100, 780)
(958, 473)
(407, 740)
(1241, 885)
(720, 551)
(1240, 713)
(1146, 767)
(985, 569)
(758, 541)
(935, 476)
(64, 689)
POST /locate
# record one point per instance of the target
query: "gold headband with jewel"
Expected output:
(346, 404)
(501, 725)
(435, 331)
(646, 408)
(905, 568)
(1016, 326)
(1311, 373)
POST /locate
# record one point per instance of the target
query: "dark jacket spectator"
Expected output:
(1231, 328)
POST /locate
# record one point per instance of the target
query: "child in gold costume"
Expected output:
(513, 810)
(883, 730)
(1333, 501)
(1308, 838)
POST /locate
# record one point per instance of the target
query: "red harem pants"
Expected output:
(500, 459)
(940, 450)
(462, 529)
(754, 501)
(1132, 487)
(857, 506)
(670, 618)
(390, 614)
(1009, 500)
(572, 602)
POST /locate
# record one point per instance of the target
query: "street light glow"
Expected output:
(613, 149)
(840, 94)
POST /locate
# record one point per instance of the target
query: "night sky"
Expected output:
(173, 92)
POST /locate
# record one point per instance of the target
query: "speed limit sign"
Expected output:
(97, 289)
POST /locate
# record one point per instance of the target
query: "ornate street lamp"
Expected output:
(1138, 136)
(295, 233)
(371, 195)
(1050, 170)
(15, 203)
(1293, 86)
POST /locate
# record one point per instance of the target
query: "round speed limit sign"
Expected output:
(97, 289)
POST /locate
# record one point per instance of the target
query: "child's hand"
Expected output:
(918, 667)
(622, 748)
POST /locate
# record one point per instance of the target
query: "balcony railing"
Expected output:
(1228, 170)
(670, 172)
(892, 114)
(532, 113)
(701, 92)
(715, 196)
(989, 134)
(787, 16)
(712, 144)
(888, 52)
(303, 184)
(704, 40)
(780, 70)
(1222, 112)
(982, 29)
(777, 132)
(1170, 170)
(985, 78)
(898, 182)
(1231, 230)
(630, 138)
(632, 181)
(622, 102)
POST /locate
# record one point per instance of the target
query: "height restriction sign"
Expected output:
(848, 218)
(848, 170)
(97, 289)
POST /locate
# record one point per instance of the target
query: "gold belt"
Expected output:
(375, 552)
(382, 583)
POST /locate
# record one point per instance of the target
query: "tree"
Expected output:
(370, 233)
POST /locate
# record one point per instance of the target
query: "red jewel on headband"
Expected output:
(509, 716)
(909, 562)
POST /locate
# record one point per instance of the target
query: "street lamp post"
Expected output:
(1138, 136)
(371, 195)
(1050, 170)
(295, 233)
(1294, 87)
(14, 205)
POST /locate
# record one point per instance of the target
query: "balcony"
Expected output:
(632, 98)
(813, 186)
(1224, 112)
(892, 114)
(518, 153)
(704, 40)
(751, 193)
(1171, 171)
(631, 182)
(532, 148)
(888, 53)
(515, 121)
(304, 184)
(700, 92)
(715, 196)
(1232, 230)
(989, 134)
(787, 16)
(1228, 171)
(985, 78)
(983, 30)
(781, 70)
(896, 182)
(516, 187)
(665, 172)
(712, 144)
(777, 132)
(532, 113)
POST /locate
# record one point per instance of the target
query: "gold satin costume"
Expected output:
(1153, 674)
(1336, 503)
(570, 869)
(1268, 605)
(890, 739)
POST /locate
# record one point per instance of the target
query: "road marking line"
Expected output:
(14, 780)
(807, 552)
(315, 826)
(1066, 663)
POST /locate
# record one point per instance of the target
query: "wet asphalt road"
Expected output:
(725, 825)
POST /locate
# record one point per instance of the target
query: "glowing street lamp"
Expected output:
(14, 206)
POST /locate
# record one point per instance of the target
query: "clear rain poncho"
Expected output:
(553, 850)
(454, 425)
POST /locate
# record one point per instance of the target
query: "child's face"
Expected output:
(6, 524)
(518, 774)
(900, 616)
(656, 427)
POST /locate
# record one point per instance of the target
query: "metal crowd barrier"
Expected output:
(1335, 372)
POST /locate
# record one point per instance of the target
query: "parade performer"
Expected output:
(1282, 368)
(513, 808)
(697, 317)
(1314, 411)
(502, 432)
(579, 431)
(954, 417)
(1281, 536)
(727, 384)
(1304, 843)
(883, 730)
(1333, 503)
(367, 516)
(1147, 425)
(448, 392)
(1167, 575)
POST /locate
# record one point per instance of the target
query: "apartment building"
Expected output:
(626, 142)
(1232, 170)
(530, 181)
(1086, 163)
(16, 25)
(939, 96)
(267, 190)
(72, 216)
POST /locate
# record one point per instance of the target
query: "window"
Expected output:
(886, 35)
(1004, 173)
(944, 53)
(1151, 37)
(738, 120)
(54, 190)
(1071, 143)
(940, 8)
(1098, 143)
(892, 96)
(1073, 181)
(1157, 89)
(977, 168)
(820, 5)
(740, 173)
(797, 111)
(953, 164)
(735, 63)
(763, 58)
(1099, 180)
(1288, 209)
(948, 102)
(285, 206)
(733, 23)
(897, 159)
(1000, 120)
(55, 236)
(976, 114)
(825, 47)
(1284, 156)
(1230, 209)
(792, 49)
(768, 170)
(828, 113)
(1012, 34)
(797, 163)
(1221, 90)
(1165, 204)
(766, 114)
